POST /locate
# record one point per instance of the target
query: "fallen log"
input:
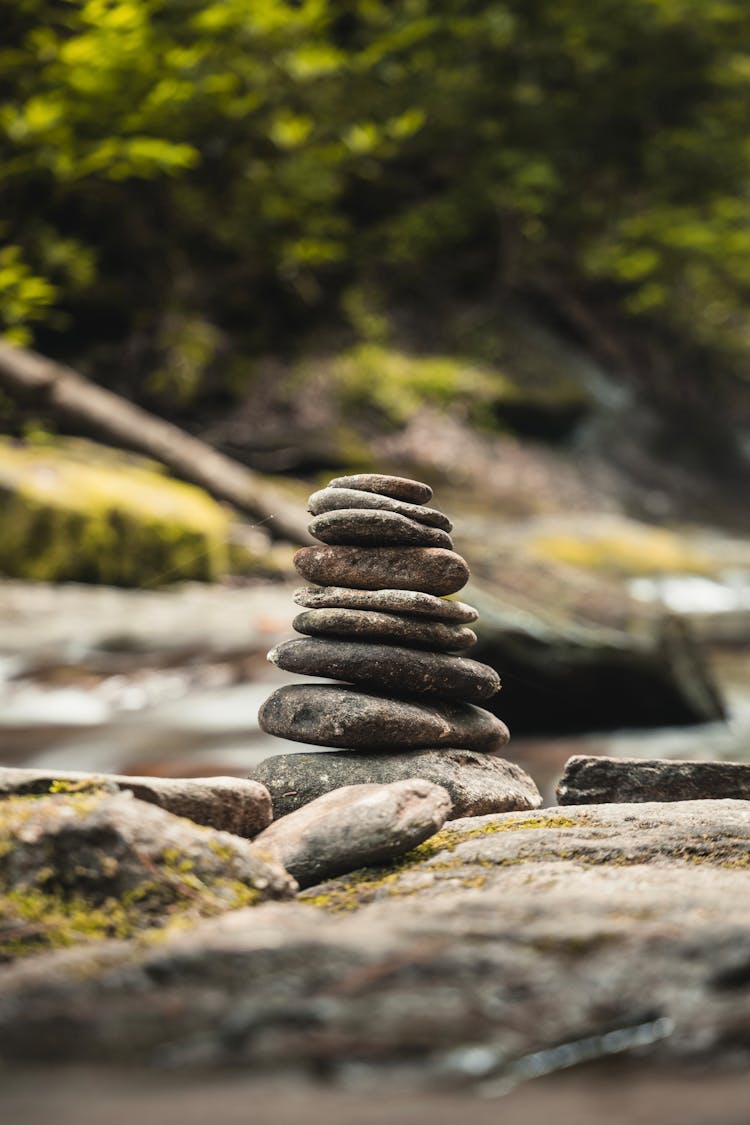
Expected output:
(64, 393)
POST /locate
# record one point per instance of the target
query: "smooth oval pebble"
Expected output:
(389, 601)
(405, 671)
(332, 499)
(350, 719)
(373, 528)
(400, 488)
(431, 570)
(360, 624)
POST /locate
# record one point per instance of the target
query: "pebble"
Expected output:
(373, 528)
(356, 826)
(332, 499)
(349, 719)
(396, 628)
(387, 601)
(430, 570)
(389, 668)
(478, 784)
(400, 488)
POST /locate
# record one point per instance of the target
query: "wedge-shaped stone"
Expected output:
(343, 717)
(332, 499)
(395, 628)
(373, 528)
(431, 570)
(387, 601)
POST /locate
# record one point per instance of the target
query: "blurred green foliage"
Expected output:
(177, 175)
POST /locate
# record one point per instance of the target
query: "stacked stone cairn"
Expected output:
(377, 619)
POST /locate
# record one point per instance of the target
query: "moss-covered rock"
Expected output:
(76, 511)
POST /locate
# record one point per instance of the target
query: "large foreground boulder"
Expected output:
(476, 783)
(499, 938)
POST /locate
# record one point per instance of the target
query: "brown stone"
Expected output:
(431, 570)
(389, 601)
(395, 628)
(370, 527)
(331, 499)
(400, 488)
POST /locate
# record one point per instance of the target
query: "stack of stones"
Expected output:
(377, 619)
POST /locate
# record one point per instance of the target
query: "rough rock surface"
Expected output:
(477, 783)
(593, 781)
(389, 601)
(430, 570)
(225, 803)
(340, 716)
(389, 668)
(498, 938)
(400, 488)
(357, 826)
(331, 499)
(370, 527)
(360, 624)
(76, 865)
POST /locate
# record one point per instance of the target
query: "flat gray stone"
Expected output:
(372, 528)
(594, 781)
(400, 488)
(356, 826)
(343, 717)
(228, 804)
(405, 671)
(478, 784)
(331, 499)
(389, 601)
(360, 624)
(431, 570)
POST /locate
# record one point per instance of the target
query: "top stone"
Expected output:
(400, 488)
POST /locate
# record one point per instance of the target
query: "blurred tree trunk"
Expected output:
(64, 393)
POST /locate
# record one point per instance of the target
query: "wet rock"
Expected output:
(400, 488)
(358, 624)
(476, 783)
(343, 717)
(405, 671)
(331, 499)
(75, 866)
(389, 601)
(589, 780)
(514, 933)
(356, 826)
(228, 804)
(368, 527)
(430, 570)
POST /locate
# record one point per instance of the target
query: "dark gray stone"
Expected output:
(431, 570)
(594, 781)
(369, 527)
(400, 488)
(348, 719)
(389, 601)
(405, 671)
(356, 826)
(228, 804)
(331, 499)
(477, 783)
(359, 624)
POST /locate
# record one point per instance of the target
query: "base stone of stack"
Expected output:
(477, 784)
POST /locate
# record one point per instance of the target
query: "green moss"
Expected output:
(74, 511)
(625, 548)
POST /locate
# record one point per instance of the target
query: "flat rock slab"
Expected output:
(496, 939)
(343, 717)
(331, 499)
(476, 783)
(400, 488)
(405, 671)
(372, 528)
(396, 628)
(389, 601)
(430, 570)
(592, 780)
(228, 804)
(356, 826)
